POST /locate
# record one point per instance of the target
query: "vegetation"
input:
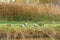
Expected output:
(29, 12)
(13, 15)
(16, 31)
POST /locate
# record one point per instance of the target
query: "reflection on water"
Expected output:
(29, 39)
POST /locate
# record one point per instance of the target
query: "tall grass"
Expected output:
(17, 12)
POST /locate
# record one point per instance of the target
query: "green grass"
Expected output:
(17, 25)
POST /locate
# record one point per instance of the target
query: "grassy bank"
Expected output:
(49, 30)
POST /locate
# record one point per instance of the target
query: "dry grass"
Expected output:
(28, 11)
(28, 33)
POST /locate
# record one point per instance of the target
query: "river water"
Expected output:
(29, 39)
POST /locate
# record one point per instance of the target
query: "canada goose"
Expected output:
(41, 24)
(22, 25)
(35, 24)
(25, 24)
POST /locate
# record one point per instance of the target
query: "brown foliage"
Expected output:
(17, 12)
